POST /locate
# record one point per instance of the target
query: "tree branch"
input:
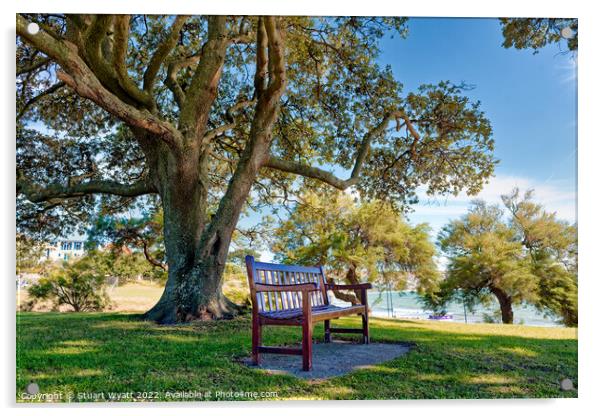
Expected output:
(276, 64)
(32, 67)
(78, 76)
(261, 65)
(211, 134)
(118, 70)
(202, 91)
(37, 193)
(36, 98)
(162, 52)
(362, 153)
(171, 80)
(150, 258)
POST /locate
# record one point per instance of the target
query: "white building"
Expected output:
(61, 250)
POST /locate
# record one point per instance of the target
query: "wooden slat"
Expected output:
(261, 294)
(268, 294)
(289, 295)
(313, 299)
(273, 294)
(317, 295)
(277, 295)
(285, 295)
(286, 267)
(322, 279)
(296, 300)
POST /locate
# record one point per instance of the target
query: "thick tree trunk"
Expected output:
(505, 302)
(196, 264)
(196, 247)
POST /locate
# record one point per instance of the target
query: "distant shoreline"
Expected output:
(406, 305)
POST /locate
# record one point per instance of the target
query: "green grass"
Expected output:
(113, 352)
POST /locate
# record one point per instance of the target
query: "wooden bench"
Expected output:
(298, 295)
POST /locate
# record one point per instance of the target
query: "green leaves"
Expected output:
(336, 92)
(523, 252)
(355, 240)
(534, 34)
(79, 285)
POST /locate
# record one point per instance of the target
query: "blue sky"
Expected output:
(530, 99)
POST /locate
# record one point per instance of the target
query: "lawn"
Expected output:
(92, 356)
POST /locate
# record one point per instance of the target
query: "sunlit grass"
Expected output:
(113, 352)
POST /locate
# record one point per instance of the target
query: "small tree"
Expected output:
(80, 285)
(552, 248)
(529, 258)
(485, 257)
(356, 241)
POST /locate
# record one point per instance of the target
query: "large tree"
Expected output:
(204, 114)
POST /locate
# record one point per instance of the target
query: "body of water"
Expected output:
(406, 305)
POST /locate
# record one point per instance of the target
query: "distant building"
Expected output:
(61, 250)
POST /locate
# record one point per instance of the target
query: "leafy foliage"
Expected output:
(356, 241)
(29, 255)
(531, 257)
(535, 33)
(336, 93)
(80, 285)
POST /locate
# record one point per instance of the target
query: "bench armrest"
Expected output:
(358, 286)
(300, 287)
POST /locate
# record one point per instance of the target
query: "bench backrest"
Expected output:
(284, 274)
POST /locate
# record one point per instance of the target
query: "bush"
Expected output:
(80, 285)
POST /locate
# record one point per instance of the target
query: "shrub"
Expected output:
(80, 285)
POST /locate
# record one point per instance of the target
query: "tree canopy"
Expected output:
(357, 241)
(528, 257)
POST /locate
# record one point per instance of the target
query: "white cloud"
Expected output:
(567, 69)
(556, 196)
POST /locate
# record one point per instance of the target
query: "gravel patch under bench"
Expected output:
(332, 359)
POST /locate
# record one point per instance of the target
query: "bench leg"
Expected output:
(327, 330)
(256, 341)
(365, 329)
(307, 328)
(306, 346)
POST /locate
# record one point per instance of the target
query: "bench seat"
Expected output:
(318, 313)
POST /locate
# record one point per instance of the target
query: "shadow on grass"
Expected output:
(111, 352)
